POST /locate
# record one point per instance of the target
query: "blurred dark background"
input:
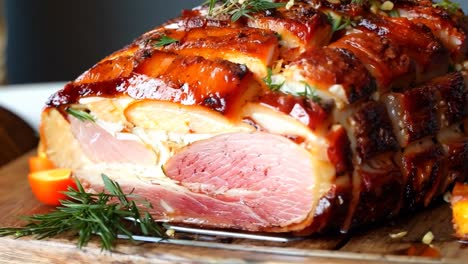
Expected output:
(56, 40)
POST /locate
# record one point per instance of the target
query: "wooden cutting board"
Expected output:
(369, 245)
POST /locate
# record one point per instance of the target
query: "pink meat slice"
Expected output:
(101, 146)
(250, 180)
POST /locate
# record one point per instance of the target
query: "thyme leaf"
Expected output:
(338, 22)
(357, 2)
(164, 41)
(80, 114)
(448, 5)
(239, 8)
(310, 92)
(103, 214)
(394, 13)
(269, 82)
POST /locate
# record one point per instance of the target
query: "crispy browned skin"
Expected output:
(446, 27)
(381, 185)
(394, 119)
(301, 28)
(212, 41)
(416, 115)
(383, 58)
(373, 130)
(165, 76)
(325, 67)
(416, 41)
(450, 90)
(256, 48)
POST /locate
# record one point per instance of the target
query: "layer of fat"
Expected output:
(124, 172)
(58, 142)
(108, 111)
(288, 39)
(279, 123)
(294, 82)
(255, 65)
(174, 117)
(165, 143)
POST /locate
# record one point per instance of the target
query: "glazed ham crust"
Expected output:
(278, 122)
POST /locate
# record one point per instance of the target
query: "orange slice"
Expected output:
(460, 210)
(40, 163)
(48, 185)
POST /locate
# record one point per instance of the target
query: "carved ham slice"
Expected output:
(217, 183)
(320, 116)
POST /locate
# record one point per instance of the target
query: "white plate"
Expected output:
(28, 100)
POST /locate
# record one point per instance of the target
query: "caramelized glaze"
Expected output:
(388, 116)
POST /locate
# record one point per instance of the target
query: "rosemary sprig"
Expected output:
(448, 5)
(269, 81)
(164, 41)
(239, 8)
(310, 92)
(80, 114)
(86, 214)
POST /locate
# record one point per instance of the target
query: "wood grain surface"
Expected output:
(369, 245)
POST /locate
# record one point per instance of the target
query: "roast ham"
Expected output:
(304, 118)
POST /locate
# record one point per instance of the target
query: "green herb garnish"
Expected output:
(338, 22)
(239, 8)
(86, 214)
(310, 92)
(269, 82)
(80, 114)
(448, 5)
(164, 41)
(357, 2)
(394, 13)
